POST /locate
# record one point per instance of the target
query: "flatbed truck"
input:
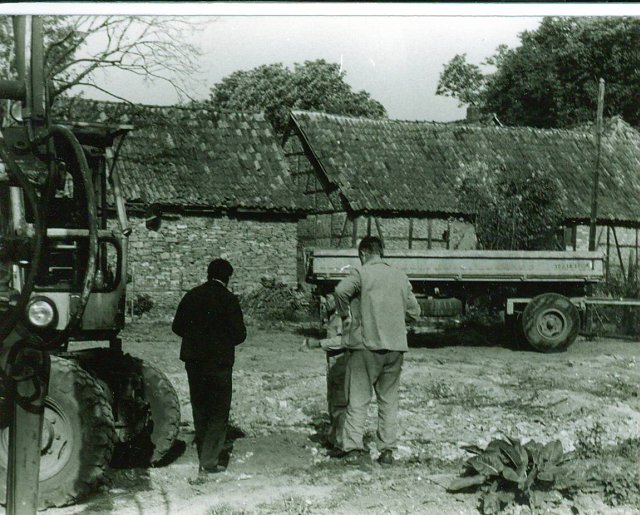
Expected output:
(543, 293)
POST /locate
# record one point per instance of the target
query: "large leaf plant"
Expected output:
(508, 472)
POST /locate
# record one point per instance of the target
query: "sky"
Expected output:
(397, 60)
(395, 52)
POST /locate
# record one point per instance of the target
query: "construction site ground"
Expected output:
(465, 387)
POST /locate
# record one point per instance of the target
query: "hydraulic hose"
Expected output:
(8, 323)
(92, 220)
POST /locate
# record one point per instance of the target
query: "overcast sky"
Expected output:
(394, 51)
(396, 59)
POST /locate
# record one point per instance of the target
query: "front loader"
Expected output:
(65, 413)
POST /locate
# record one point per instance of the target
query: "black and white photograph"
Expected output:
(319, 258)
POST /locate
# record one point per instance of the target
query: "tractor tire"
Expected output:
(78, 437)
(145, 406)
(165, 413)
(550, 322)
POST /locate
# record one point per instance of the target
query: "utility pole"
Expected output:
(596, 172)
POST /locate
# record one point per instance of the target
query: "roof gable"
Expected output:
(402, 166)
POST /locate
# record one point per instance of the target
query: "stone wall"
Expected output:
(167, 262)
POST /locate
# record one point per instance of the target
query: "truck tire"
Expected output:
(550, 322)
(78, 437)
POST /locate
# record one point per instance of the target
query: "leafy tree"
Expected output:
(78, 48)
(551, 79)
(276, 89)
(517, 209)
(462, 80)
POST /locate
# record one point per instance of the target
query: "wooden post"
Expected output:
(596, 172)
(615, 237)
(369, 226)
(331, 230)
(354, 232)
(607, 268)
(448, 234)
(379, 228)
(429, 233)
(411, 232)
(636, 270)
(574, 237)
(344, 228)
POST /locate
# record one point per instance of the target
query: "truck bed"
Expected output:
(468, 265)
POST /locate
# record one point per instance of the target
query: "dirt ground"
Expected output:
(462, 389)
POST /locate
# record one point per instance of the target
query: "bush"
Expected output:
(142, 304)
(516, 208)
(276, 302)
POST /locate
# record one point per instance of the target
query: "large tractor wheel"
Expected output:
(162, 428)
(78, 437)
(145, 406)
(550, 322)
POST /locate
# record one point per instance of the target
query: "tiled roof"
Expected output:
(195, 158)
(392, 166)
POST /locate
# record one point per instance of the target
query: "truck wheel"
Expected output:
(78, 437)
(550, 322)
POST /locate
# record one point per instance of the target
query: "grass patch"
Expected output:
(290, 505)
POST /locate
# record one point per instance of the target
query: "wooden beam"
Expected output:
(615, 237)
(354, 232)
(410, 232)
(607, 267)
(380, 235)
(344, 228)
(331, 230)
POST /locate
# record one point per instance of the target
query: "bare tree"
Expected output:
(152, 47)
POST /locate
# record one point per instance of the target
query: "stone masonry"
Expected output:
(164, 264)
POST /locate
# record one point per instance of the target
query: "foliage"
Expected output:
(517, 209)
(461, 80)
(142, 304)
(276, 302)
(507, 472)
(551, 79)
(590, 442)
(78, 48)
(276, 89)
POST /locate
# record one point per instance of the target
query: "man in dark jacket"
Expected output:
(209, 320)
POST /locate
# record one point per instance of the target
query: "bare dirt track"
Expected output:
(465, 392)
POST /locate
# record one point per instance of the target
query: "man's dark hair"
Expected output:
(371, 245)
(219, 269)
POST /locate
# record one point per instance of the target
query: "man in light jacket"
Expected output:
(380, 301)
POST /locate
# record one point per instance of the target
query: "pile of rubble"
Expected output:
(275, 301)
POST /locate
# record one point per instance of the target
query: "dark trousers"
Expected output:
(210, 392)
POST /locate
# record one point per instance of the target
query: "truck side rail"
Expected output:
(469, 265)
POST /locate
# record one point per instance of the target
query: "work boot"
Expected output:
(357, 457)
(337, 453)
(386, 458)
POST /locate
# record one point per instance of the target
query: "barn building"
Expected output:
(200, 184)
(397, 179)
